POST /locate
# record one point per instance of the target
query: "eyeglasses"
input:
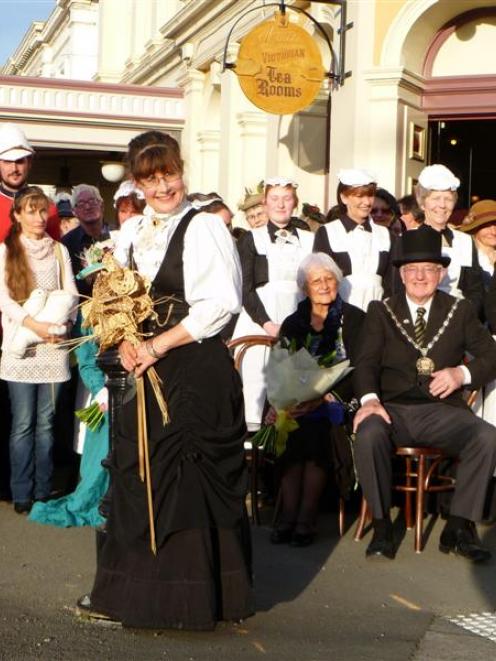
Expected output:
(422, 270)
(88, 203)
(154, 182)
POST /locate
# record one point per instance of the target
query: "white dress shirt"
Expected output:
(211, 268)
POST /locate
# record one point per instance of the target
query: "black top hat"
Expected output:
(421, 245)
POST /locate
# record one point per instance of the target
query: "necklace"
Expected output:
(425, 365)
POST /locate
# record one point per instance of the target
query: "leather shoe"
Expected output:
(302, 538)
(23, 506)
(281, 535)
(464, 542)
(381, 546)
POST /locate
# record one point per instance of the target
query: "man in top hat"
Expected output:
(16, 159)
(409, 377)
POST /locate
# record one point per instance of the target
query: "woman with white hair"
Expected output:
(323, 323)
(270, 256)
(436, 194)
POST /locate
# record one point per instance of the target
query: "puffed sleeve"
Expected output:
(212, 276)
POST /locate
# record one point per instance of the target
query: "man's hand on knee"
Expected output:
(446, 381)
(371, 407)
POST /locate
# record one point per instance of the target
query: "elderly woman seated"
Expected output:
(323, 323)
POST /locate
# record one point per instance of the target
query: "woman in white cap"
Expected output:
(359, 246)
(436, 194)
(129, 201)
(270, 256)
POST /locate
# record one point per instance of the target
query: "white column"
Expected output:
(192, 82)
(209, 142)
(115, 24)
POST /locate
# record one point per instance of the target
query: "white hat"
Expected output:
(438, 177)
(13, 143)
(281, 181)
(127, 188)
(355, 177)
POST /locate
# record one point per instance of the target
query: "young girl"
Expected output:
(30, 259)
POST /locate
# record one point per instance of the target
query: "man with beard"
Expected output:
(16, 159)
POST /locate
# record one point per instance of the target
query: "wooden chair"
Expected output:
(421, 476)
(252, 452)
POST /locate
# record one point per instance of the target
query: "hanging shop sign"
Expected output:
(279, 66)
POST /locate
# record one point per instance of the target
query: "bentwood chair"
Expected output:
(253, 453)
(240, 347)
(421, 476)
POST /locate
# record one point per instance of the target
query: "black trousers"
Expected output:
(455, 430)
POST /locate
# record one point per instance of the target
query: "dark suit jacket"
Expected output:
(385, 363)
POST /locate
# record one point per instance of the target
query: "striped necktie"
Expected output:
(419, 327)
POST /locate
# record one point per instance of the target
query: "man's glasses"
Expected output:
(422, 270)
(88, 203)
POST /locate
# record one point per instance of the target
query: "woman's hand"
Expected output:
(270, 416)
(271, 328)
(144, 359)
(128, 355)
(43, 329)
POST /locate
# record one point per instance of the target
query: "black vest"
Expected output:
(169, 281)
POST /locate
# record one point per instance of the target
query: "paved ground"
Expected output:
(325, 602)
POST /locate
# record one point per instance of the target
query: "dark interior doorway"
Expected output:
(468, 148)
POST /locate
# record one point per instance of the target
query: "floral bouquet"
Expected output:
(296, 383)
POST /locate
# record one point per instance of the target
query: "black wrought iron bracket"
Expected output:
(337, 73)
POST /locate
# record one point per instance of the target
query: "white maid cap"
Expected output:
(281, 181)
(438, 177)
(355, 177)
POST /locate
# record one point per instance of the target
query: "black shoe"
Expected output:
(302, 538)
(281, 535)
(86, 610)
(464, 542)
(23, 506)
(381, 546)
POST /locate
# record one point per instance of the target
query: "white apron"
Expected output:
(280, 297)
(363, 284)
(460, 253)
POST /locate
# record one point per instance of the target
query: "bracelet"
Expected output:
(151, 349)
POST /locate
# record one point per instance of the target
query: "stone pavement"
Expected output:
(321, 603)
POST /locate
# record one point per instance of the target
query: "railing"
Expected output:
(21, 95)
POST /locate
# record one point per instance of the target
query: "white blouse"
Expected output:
(211, 267)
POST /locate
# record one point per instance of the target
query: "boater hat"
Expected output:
(481, 213)
(421, 245)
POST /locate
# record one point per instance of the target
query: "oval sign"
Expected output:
(279, 66)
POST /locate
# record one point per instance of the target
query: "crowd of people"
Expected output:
(390, 285)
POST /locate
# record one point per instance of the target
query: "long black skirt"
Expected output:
(202, 571)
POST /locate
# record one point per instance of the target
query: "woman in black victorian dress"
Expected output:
(201, 573)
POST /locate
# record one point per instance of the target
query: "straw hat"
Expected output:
(481, 213)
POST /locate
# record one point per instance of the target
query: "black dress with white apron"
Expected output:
(202, 570)
(269, 258)
(362, 253)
